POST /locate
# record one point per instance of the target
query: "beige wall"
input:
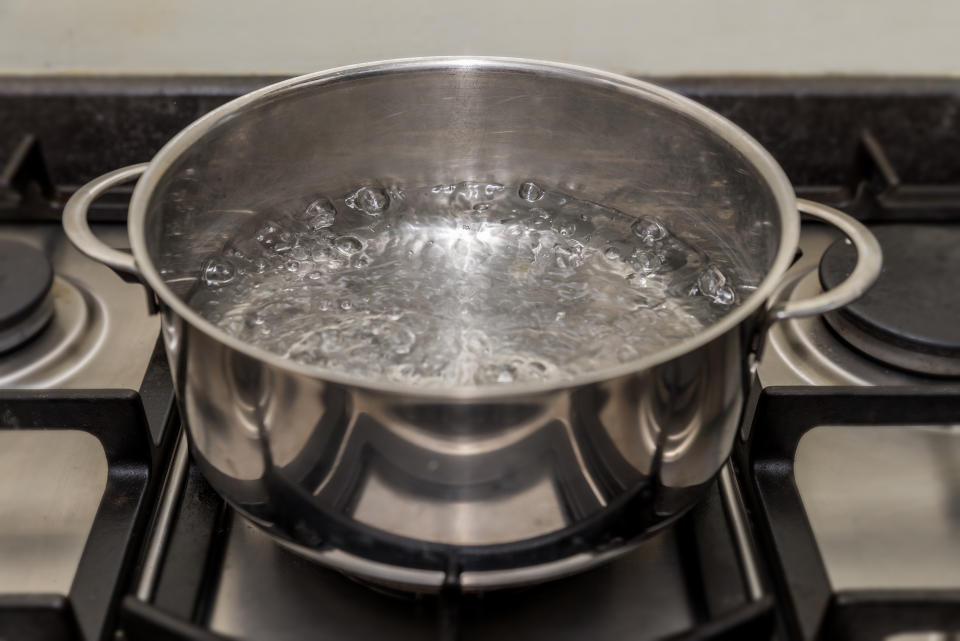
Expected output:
(644, 36)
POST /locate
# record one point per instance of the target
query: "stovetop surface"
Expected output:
(838, 517)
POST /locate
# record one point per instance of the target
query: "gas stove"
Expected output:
(836, 518)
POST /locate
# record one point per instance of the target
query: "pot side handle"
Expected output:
(78, 229)
(865, 273)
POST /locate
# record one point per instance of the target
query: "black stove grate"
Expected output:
(135, 433)
(179, 605)
(810, 607)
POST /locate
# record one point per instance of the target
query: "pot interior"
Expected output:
(582, 136)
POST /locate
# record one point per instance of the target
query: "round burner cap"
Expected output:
(911, 317)
(25, 280)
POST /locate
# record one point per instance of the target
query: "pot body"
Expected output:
(395, 488)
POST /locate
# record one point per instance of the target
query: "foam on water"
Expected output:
(460, 284)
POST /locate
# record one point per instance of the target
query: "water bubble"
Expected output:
(481, 207)
(531, 191)
(348, 245)
(567, 229)
(649, 230)
(568, 257)
(712, 283)
(283, 241)
(645, 261)
(315, 275)
(299, 253)
(217, 272)
(292, 265)
(266, 235)
(724, 296)
(321, 221)
(320, 214)
(711, 280)
(611, 253)
(369, 200)
(492, 188)
(497, 373)
(346, 305)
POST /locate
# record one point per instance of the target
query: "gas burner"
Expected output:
(909, 318)
(806, 351)
(74, 330)
(96, 330)
(25, 302)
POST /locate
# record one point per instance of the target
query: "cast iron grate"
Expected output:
(177, 602)
(134, 430)
(812, 610)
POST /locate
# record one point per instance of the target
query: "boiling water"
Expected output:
(460, 284)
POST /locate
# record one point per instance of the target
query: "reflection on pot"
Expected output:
(500, 479)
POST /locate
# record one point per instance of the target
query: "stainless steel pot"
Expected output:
(501, 484)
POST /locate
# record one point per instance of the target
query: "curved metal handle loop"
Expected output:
(78, 229)
(865, 273)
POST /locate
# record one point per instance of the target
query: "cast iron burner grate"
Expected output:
(696, 581)
(809, 606)
(909, 319)
(135, 429)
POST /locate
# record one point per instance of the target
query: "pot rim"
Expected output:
(759, 157)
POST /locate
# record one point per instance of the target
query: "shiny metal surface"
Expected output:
(173, 486)
(517, 482)
(265, 592)
(805, 351)
(458, 472)
(869, 259)
(78, 230)
(883, 504)
(736, 513)
(101, 334)
(51, 483)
